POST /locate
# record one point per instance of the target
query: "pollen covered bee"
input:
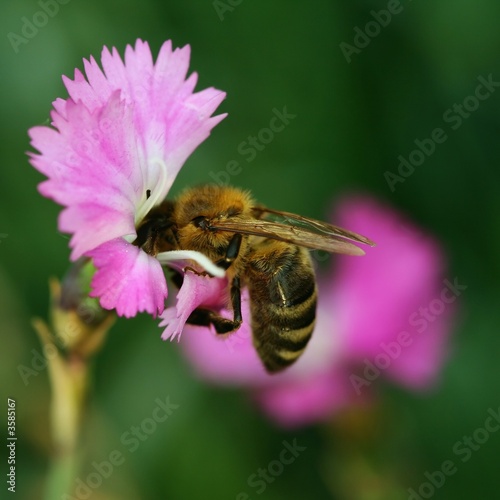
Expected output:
(262, 249)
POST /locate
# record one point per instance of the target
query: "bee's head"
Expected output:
(198, 209)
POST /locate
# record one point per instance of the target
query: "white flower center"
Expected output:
(199, 258)
(153, 196)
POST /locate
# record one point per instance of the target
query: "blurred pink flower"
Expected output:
(372, 320)
(112, 153)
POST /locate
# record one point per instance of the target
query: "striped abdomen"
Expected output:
(283, 294)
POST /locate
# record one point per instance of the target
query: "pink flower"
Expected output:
(196, 291)
(370, 324)
(112, 153)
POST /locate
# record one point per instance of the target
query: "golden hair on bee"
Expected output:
(212, 203)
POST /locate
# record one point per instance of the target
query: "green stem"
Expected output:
(69, 384)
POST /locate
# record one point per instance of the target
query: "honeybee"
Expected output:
(262, 249)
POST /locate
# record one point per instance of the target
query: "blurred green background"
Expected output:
(352, 121)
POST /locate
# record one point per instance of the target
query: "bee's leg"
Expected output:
(206, 317)
(236, 300)
(232, 251)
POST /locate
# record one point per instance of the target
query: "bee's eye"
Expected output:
(200, 221)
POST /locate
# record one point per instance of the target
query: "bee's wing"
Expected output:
(312, 225)
(309, 237)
